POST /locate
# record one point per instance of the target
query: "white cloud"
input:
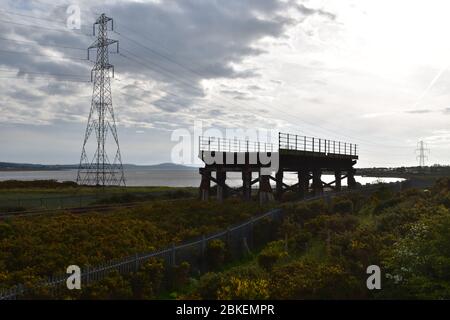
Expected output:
(348, 70)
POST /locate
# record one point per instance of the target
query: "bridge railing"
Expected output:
(289, 141)
(234, 145)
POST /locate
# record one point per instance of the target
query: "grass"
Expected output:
(25, 195)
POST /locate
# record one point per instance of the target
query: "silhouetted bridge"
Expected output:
(307, 156)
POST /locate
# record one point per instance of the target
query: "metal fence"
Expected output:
(234, 145)
(289, 141)
(286, 141)
(239, 240)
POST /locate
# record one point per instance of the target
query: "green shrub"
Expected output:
(208, 286)
(343, 206)
(215, 253)
(305, 211)
(271, 254)
(334, 223)
(112, 287)
(303, 279)
(243, 289)
(299, 242)
(383, 205)
(5, 230)
(180, 275)
(147, 282)
(265, 230)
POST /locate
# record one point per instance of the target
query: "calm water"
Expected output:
(169, 178)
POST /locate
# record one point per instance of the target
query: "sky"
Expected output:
(374, 73)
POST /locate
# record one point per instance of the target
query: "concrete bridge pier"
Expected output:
(246, 185)
(303, 183)
(351, 182)
(221, 177)
(317, 185)
(338, 179)
(279, 184)
(265, 190)
(205, 185)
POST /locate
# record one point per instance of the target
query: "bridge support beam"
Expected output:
(205, 185)
(265, 190)
(247, 185)
(303, 183)
(338, 179)
(279, 184)
(351, 182)
(221, 187)
(317, 185)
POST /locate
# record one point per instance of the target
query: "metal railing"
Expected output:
(289, 141)
(286, 141)
(234, 145)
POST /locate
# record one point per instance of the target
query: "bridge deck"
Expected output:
(307, 156)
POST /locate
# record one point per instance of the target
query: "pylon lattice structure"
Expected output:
(422, 150)
(95, 165)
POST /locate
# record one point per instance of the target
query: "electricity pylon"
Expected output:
(422, 150)
(95, 165)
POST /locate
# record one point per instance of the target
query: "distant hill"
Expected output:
(10, 166)
(161, 166)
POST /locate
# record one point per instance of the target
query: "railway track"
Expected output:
(79, 210)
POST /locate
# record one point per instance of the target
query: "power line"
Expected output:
(32, 17)
(43, 55)
(42, 77)
(40, 44)
(45, 73)
(177, 78)
(46, 28)
(261, 103)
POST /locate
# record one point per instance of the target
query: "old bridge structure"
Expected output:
(308, 157)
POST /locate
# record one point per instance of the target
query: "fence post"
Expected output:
(173, 255)
(251, 235)
(87, 275)
(136, 262)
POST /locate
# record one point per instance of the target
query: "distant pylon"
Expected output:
(422, 150)
(95, 165)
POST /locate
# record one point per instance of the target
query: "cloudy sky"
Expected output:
(364, 71)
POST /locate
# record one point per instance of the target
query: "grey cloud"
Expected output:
(186, 42)
(255, 88)
(419, 111)
(308, 11)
